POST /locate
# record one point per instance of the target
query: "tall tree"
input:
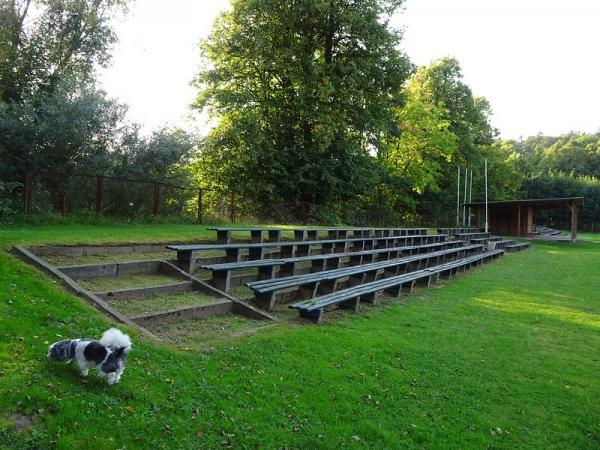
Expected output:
(52, 113)
(301, 91)
(43, 40)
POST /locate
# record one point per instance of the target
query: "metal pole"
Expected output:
(470, 195)
(458, 199)
(486, 197)
(465, 199)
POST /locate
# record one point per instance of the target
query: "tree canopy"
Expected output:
(301, 92)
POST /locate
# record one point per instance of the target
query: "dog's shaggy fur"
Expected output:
(108, 355)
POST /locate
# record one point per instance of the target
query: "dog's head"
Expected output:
(115, 360)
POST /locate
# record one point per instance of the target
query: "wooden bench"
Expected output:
(450, 269)
(470, 236)
(308, 285)
(222, 272)
(454, 231)
(351, 297)
(485, 240)
(290, 249)
(300, 234)
(256, 234)
(501, 243)
(517, 247)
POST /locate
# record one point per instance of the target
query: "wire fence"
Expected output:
(120, 197)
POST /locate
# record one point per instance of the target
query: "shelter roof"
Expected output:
(541, 203)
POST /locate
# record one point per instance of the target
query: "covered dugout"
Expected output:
(517, 217)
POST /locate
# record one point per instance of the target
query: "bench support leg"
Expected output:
(307, 291)
(315, 315)
(233, 254)
(394, 291)
(327, 287)
(353, 304)
(186, 261)
(410, 287)
(266, 301)
(221, 279)
(355, 280)
(303, 250)
(274, 235)
(332, 263)
(370, 298)
(312, 235)
(288, 251)
(287, 270)
(266, 272)
(299, 235)
(256, 253)
(223, 236)
(256, 236)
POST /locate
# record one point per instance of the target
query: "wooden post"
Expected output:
(519, 227)
(573, 222)
(156, 199)
(232, 208)
(199, 205)
(529, 228)
(99, 193)
(26, 193)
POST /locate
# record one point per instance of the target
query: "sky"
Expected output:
(534, 60)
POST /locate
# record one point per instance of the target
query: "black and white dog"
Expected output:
(108, 355)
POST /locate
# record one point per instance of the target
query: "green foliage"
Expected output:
(44, 41)
(422, 142)
(563, 166)
(575, 153)
(562, 185)
(74, 128)
(301, 92)
(7, 205)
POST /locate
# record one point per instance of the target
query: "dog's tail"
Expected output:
(116, 339)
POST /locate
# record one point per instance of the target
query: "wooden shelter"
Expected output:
(517, 217)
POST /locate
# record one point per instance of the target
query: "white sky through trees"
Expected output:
(536, 61)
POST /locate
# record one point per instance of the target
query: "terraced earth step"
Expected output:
(143, 292)
(162, 302)
(219, 307)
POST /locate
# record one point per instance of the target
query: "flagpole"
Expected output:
(486, 197)
(458, 199)
(464, 222)
(470, 195)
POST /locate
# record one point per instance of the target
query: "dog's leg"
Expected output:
(83, 368)
(112, 378)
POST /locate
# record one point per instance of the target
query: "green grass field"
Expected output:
(592, 237)
(506, 356)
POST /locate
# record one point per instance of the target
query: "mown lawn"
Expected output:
(506, 356)
(585, 236)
